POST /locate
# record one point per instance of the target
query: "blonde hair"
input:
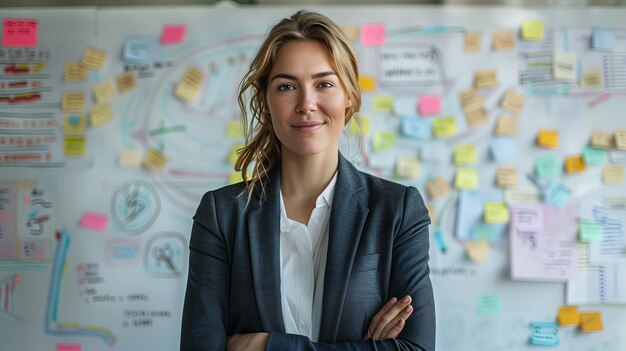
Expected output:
(262, 148)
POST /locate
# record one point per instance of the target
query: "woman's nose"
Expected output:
(306, 101)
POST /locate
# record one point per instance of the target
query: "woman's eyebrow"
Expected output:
(316, 75)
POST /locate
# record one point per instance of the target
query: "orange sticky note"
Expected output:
(506, 125)
(568, 316)
(19, 32)
(94, 221)
(437, 187)
(504, 40)
(125, 82)
(477, 251)
(620, 139)
(486, 78)
(373, 34)
(591, 321)
(352, 31)
(473, 41)
(367, 83)
(476, 118)
(506, 177)
(548, 138)
(575, 164)
(601, 140)
(513, 102)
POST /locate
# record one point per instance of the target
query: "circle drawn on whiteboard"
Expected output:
(135, 207)
(166, 255)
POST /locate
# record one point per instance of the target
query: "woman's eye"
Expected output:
(285, 87)
(326, 85)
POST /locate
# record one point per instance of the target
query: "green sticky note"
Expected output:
(590, 230)
(489, 305)
(594, 156)
(383, 103)
(548, 166)
(384, 141)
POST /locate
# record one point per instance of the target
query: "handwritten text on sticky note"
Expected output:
(19, 32)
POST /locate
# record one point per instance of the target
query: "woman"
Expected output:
(304, 254)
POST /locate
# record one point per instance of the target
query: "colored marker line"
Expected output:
(165, 130)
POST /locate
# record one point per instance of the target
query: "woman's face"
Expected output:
(306, 100)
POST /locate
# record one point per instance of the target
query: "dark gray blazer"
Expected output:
(377, 248)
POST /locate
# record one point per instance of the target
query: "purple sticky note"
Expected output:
(373, 34)
(94, 221)
(67, 347)
(19, 32)
(429, 105)
(173, 34)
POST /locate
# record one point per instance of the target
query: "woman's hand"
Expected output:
(389, 321)
(248, 342)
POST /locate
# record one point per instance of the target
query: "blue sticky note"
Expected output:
(548, 166)
(556, 194)
(603, 39)
(135, 51)
(416, 128)
(594, 156)
(502, 149)
(544, 334)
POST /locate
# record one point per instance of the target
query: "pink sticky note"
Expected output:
(429, 105)
(94, 221)
(173, 34)
(68, 347)
(19, 32)
(373, 34)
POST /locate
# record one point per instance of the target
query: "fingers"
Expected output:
(388, 317)
(393, 329)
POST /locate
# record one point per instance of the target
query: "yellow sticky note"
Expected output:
(103, 91)
(129, 158)
(189, 86)
(477, 251)
(444, 127)
(591, 322)
(506, 177)
(384, 141)
(548, 138)
(233, 129)
(473, 41)
(532, 30)
(74, 146)
(367, 83)
(366, 126)
(575, 164)
(407, 167)
(154, 160)
(476, 118)
(568, 316)
(564, 66)
(601, 140)
(613, 174)
(74, 72)
(465, 154)
(74, 124)
(100, 114)
(383, 103)
(513, 102)
(471, 99)
(352, 31)
(592, 78)
(126, 82)
(504, 40)
(94, 59)
(486, 78)
(73, 101)
(233, 154)
(235, 177)
(496, 212)
(506, 126)
(466, 178)
(437, 187)
(620, 139)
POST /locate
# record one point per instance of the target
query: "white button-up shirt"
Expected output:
(303, 251)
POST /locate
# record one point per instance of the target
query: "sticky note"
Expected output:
(407, 167)
(568, 316)
(472, 41)
(383, 141)
(429, 105)
(154, 160)
(126, 82)
(235, 177)
(592, 78)
(68, 347)
(602, 38)
(601, 140)
(233, 154)
(173, 34)
(506, 126)
(476, 118)
(19, 32)
(556, 194)
(363, 128)
(189, 85)
(513, 102)
(506, 177)
(100, 114)
(613, 174)
(94, 59)
(73, 101)
(465, 154)
(548, 138)
(477, 251)
(502, 149)
(544, 334)
(590, 230)
(444, 127)
(352, 31)
(496, 212)
(413, 127)
(74, 124)
(471, 99)
(233, 129)
(367, 83)
(532, 30)
(136, 51)
(94, 221)
(485, 79)
(564, 66)
(575, 164)
(383, 103)
(620, 139)
(437, 187)
(548, 166)
(74, 72)
(504, 40)
(466, 178)
(591, 321)
(594, 156)
(489, 305)
(103, 91)
(74, 146)
(129, 158)
(373, 34)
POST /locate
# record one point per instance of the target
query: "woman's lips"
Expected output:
(308, 127)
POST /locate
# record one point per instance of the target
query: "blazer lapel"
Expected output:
(347, 219)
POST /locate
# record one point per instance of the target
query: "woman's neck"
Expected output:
(303, 178)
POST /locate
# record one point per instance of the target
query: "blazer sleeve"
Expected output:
(409, 275)
(206, 304)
